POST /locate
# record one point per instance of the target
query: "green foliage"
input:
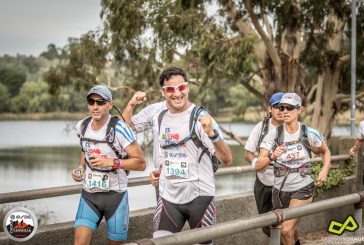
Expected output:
(84, 60)
(13, 79)
(335, 178)
(33, 97)
(5, 98)
(241, 99)
(52, 52)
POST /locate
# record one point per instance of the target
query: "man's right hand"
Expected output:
(154, 177)
(77, 174)
(353, 150)
(138, 98)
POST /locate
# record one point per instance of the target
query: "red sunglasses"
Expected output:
(172, 89)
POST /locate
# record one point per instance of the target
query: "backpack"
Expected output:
(109, 140)
(196, 111)
(303, 138)
(263, 131)
(282, 170)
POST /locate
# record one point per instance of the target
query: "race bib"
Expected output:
(293, 154)
(176, 169)
(98, 182)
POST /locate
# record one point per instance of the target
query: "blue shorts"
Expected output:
(113, 205)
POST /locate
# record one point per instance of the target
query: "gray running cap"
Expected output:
(103, 91)
(291, 99)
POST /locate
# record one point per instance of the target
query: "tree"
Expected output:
(4, 95)
(82, 66)
(300, 46)
(33, 97)
(13, 79)
(52, 52)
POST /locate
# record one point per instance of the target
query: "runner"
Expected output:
(186, 182)
(359, 140)
(145, 120)
(291, 145)
(109, 151)
(264, 181)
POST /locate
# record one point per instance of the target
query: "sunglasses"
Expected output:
(172, 89)
(288, 107)
(98, 101)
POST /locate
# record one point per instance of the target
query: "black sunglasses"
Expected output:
(288, 107)
(276, 106)
(98, 101)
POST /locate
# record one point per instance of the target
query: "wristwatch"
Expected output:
(216, 136)
(270, 156)
(117, 163)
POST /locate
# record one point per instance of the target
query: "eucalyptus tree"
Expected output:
(264, 45)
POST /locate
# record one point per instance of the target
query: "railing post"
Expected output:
(275, 235)
(358, 214)
(275, 230)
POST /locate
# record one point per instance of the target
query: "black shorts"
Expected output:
(281, 199)
(263, 197)
(200, 212)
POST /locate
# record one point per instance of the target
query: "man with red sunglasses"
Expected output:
(184, 175)
(109, 151)
(289, 147)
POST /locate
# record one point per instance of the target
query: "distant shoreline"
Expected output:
(252, 116)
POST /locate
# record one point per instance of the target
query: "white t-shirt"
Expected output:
(124, 136)
(266, 176)
(294, 181)
(148, 118)
(361, 131)
(183, 177)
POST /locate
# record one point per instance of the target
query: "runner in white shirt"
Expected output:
(264, 181)
(292, 144)
(109, 151)
(359, 139)
(144, 120)
(186, 179)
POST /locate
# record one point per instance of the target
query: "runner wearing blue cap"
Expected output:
(264, 181)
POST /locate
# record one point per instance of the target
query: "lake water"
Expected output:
(41, 154)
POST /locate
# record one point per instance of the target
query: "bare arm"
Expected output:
(137, 99)
(76, 175)
(249, 156)
(222, 150)
(354, 149)
(223, 153)
(264, 159)
(326, 155)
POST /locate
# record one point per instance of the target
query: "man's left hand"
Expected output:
(206, 123)
(101, 162)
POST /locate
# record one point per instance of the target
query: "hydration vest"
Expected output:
(282, 170)
(263, 131)
(109, 140)
(196, 111)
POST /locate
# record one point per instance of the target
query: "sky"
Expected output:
(28, 26)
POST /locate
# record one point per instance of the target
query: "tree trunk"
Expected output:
(325, 108)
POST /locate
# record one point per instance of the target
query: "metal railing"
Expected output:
(271, 218)
(76, 189)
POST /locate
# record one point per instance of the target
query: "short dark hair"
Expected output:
(169, 72)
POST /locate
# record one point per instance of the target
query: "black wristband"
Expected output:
(215, 137)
